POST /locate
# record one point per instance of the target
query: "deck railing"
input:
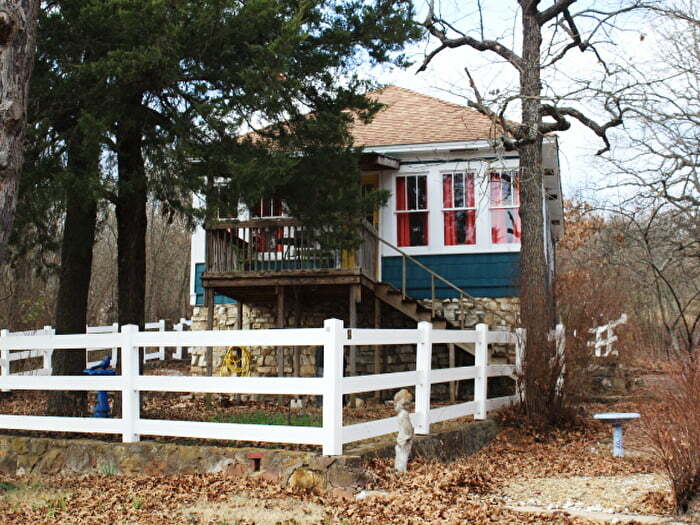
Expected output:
(333, 337)
(279, 245)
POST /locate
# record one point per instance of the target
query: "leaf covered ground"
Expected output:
(466, 491)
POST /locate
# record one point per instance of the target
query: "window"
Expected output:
(268, 208)
(505, 201)
(412, 210)
(268, 238)
(459, 208)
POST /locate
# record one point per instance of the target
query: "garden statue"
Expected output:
(404, 440)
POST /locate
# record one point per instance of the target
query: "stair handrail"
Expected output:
(433, 275)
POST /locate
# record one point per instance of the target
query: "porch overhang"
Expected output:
(376, 161)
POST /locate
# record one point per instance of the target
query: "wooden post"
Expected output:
(239, 315)
(453, 384)
(377, 348)
(280, 324)
(355, 297)
(209, 355)
(296, 355)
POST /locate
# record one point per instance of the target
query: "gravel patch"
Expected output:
(596, 494)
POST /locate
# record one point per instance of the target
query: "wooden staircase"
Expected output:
(411, 308)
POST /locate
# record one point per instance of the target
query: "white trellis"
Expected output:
(605, 337)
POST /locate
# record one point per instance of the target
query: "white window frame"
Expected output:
(514, 173)
(425, 210)
(465, 175)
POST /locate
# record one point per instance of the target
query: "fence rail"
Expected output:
(180, 351)
(333, 337)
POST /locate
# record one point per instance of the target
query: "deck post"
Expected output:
(280, 324)
(355, 296)
(239, 315)
(296, 352)
(209, 354)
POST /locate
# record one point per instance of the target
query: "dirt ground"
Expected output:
(567, 477)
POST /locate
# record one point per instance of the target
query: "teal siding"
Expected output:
(480, 275)
(199, 289)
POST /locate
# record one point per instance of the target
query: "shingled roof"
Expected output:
(413, 118)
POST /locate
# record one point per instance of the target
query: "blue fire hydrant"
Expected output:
(101, 369)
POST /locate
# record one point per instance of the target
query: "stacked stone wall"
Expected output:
(498, 313)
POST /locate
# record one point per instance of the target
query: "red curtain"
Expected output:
(498, 219)
(450, 233)
(403, 233)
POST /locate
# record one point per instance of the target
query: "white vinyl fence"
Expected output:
(46, 370)
(333, 337)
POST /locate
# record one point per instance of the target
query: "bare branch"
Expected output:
(435, 26)
(554, 11)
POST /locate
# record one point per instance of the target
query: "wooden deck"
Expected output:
(263, 287)
(250, 261)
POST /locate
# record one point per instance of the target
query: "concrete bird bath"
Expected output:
(617, 419)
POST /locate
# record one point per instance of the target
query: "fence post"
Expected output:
(520, 340)
(4, 359)
(333, 350)
(481, 359)
(161, 349)
(131, 405)
(179, 327)
(115, 351)
(424, 356)
(48, 354)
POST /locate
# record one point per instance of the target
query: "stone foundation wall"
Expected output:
(497, 313)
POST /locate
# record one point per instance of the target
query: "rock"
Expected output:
(366, 494)
(359, 402)
(307, 480)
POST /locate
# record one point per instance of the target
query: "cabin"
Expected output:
(445, 248)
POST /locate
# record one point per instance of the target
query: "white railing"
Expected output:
(605, 337)
(7, 357)
(46, 369)
(332, 386)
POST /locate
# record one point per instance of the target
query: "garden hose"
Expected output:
(236, 361)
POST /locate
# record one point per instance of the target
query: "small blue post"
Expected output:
(618, 441)
(101, 369)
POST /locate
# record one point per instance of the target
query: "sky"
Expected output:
(582, 173)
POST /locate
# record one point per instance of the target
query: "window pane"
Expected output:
(505, 226)
(422, 192)
(447, 190)
(471, 198)
(419, 228)
(411, 193)
(459, 190)
(460, 227)
(401, 193)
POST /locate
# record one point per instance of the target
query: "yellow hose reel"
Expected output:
(236, 361)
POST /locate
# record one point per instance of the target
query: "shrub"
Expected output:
(673, 429)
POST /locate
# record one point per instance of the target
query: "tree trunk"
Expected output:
(131, 224)
(74, 280)
(17, 49)
(535, 296)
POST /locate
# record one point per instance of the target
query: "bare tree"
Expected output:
(548, 36)
(660, 154)
(17, 36)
